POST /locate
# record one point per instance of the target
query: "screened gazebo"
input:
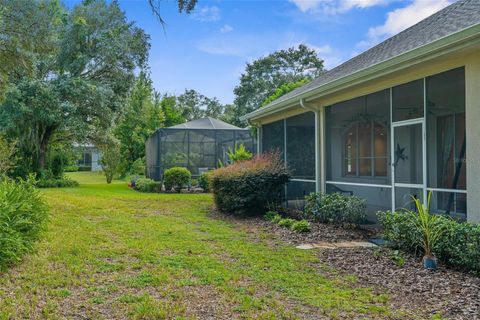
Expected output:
(197, 145)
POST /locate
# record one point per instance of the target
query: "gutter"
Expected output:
(305, 106)
(447, 44)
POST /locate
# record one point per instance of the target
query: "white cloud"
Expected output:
(226, 28)
(335, 6)
(206, 14)
(402, 18)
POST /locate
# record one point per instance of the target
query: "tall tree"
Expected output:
(263, 76)
(140, 118)
(173, 115)
(194, 105)
(78, 85)
(28, 29)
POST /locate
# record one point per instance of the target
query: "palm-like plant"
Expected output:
(429, 225)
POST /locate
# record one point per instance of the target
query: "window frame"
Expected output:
(356, 160)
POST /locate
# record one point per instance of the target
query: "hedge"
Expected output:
(459, 246)
(249, 187)
(335, 208)
(147, 185)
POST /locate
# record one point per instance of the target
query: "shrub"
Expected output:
(194, 183)
(46, 179)
(249, 187)
(147, 185)
(176, 178)
(22, 217)
(335, 208)
(204, 181)
(57, 166)
(301, 226)
(276, 219)
(287, 222)
(239, 153)
(270, 215)
(138, 167)
(458, 247)
(71, 168)
(400, 231)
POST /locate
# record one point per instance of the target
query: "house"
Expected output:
(401, 119)
(198, 145)
(89, 157)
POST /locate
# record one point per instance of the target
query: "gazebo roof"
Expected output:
(206, 123)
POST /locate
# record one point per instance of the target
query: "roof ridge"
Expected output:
(452, 19)
(213, 124)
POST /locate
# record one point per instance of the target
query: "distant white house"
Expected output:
(90, 157)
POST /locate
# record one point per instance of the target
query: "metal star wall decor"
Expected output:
(399, 155)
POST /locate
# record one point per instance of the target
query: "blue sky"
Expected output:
(208, 49)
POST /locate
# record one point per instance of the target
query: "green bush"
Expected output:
(270, 215)
(458, 247)
(57, 165)
(249, 187)
(147, 185)
(301, 226)
(287, 222)
(138, 167)
(204, 181)
(335, 208)
(276, 219)
(71, 168)
(176, 178)
(239, 153)
(46, 179)
(194, 183)
(22, 217)
(400, 230)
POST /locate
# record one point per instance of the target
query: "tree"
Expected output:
(284, 89)
(186, 6)
(263, 76)
(28, 29)
(7, 156)
(111, 156)
(194, 105)
(141, 116)
(172, 114)
(79, 84)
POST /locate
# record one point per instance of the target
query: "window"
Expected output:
(273, 137)
(301, 145)
(357, 136)
(407, 101)
(365, 148)
(446, 140)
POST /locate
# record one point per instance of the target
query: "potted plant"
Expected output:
(431, 230)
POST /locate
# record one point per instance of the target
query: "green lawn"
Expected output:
(111, 252)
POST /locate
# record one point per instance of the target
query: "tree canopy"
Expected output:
(263, 76)
(77, 83)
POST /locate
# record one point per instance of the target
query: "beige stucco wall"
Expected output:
(472, 75)
(470, 59)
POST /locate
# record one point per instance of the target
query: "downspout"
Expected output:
(319, 170)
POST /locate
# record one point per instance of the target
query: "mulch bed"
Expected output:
(423, 293)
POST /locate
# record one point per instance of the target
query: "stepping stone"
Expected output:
(336, 245)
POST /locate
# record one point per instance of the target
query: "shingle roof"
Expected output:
(454, 18)
(205, 123)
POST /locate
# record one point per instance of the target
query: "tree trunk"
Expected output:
(42, 151)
